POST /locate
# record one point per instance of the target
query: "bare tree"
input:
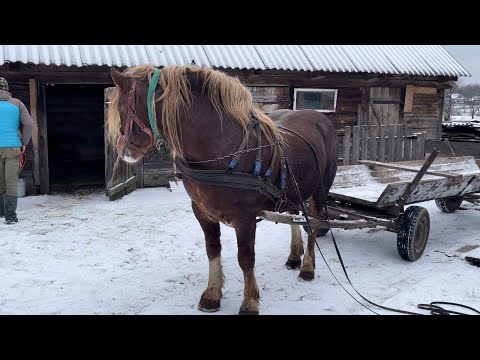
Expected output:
(471, 98)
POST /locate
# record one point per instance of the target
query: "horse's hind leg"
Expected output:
(210, 299)
(245, 231)
(296, 246)
(307, 271)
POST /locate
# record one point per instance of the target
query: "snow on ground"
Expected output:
(145, 254)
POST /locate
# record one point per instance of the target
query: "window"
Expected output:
(323, 100)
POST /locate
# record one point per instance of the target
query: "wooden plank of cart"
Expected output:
(375, 194)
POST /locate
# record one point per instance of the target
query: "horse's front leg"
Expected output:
(245, 231)
(210, 299)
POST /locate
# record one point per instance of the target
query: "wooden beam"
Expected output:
(43, 142)
(441, 95)
(33, 112)
(405, 168)
(409, 91)
(425, 90)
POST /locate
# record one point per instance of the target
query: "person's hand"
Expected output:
(23, 148)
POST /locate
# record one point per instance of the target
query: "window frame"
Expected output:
(315, 90)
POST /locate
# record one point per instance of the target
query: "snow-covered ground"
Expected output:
(145, 254)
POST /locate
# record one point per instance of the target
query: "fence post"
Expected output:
(356, 145)
(347, 143)
(364, 142)
(373, 143)
(381, 145)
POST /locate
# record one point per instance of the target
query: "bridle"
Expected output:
(125, 139)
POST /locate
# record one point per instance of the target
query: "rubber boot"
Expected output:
(10, 209)
(2, 207)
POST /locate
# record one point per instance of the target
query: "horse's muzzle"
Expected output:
(129, 156)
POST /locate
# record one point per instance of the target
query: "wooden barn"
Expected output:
(66, 89)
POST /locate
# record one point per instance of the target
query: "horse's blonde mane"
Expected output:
(227, 94)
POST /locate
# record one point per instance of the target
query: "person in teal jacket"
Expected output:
(14, 118)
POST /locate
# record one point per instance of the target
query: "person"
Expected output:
(16, 127)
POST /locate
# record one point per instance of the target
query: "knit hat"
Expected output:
(3, 84)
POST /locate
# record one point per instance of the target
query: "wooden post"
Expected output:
(43, 142)
(441, 95)
(364, 142)
(391, 143)
(139, 173)
(400, 141)
(381, 145)
(373, 142)
(33, 86)
(420, 148)
(359, 115)
(356, 145)
(347, 144)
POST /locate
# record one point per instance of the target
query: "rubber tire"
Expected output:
(320, 232)
(413, 231)
(449, 204)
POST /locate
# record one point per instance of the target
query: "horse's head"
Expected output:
(128, 123)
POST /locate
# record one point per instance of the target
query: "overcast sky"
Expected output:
(469, 57)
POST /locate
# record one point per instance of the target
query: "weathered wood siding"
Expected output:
(348, 99)
(270, 98)
(157, 168)
(426, 114)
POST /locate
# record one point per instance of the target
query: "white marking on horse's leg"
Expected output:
(296, 248)
(215, 276)
(210, 300)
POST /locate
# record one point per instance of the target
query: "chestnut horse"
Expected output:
(206, 118)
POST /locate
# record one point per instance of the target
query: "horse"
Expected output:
(220, 141)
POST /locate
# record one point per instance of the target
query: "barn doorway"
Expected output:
(76, 150)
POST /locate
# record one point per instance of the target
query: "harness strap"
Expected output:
(251, 125)
(258, 159)
(232, 179)
(272, 161)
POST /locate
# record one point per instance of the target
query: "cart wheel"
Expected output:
(413, 231)
(449, 204)
(320, 232)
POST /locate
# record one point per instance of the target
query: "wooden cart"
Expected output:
(375, 194)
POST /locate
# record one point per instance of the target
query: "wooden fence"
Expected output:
(385, 143)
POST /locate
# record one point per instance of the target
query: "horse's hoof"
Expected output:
(209, 305)
(249, 307)
(293, 264)
(248, 312)
(306, 275)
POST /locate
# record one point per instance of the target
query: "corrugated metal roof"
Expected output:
(234, 56)
(369, 59)
(430, 60)
(284, 57)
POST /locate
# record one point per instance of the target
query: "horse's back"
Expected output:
(318, 130)
(305, 122)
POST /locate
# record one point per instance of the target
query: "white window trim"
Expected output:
(315, 90)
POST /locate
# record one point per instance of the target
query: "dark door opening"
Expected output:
(75, 119)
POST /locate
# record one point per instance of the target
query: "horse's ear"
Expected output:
(118, 79)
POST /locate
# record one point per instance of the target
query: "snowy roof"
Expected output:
(429, 60)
